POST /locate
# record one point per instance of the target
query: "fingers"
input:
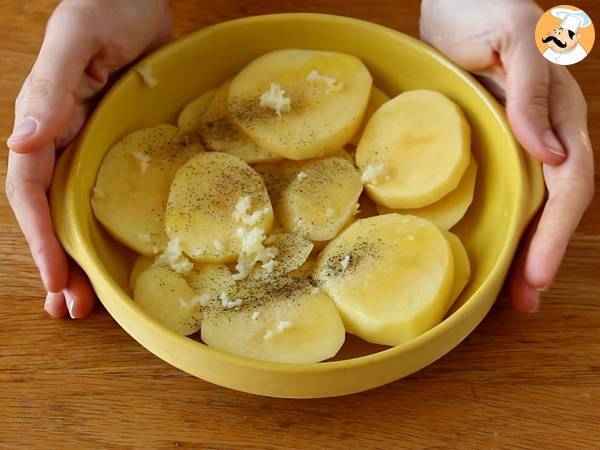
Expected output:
(77, 299)
(55, 304)
(570, 188)
(527, 96)
(79, 295)
(570, 185)
(27, 180)
(49, 93)
(523, 296)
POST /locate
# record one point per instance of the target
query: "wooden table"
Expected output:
(519, 381)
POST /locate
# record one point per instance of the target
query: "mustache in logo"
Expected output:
(556, 41)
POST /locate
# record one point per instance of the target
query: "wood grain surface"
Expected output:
(518, 381)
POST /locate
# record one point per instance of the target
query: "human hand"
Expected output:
(546, 110)
(85, 42)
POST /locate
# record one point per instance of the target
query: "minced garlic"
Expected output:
(345, 262)
(268, 335)
(201, 300)
(332, 84)
(142, 159)
(269, 266)
(240, 212)
(253, 251)
(372, 174)
(197, 252)
(276, 100)
(227, 303)
(218, 246)
(174, 258)
(284, 325)
(280, 328)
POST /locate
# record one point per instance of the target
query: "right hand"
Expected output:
(547, 113)
(85, 43)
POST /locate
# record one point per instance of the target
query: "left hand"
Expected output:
(546, 110)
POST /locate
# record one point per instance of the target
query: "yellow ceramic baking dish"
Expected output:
(509, 190)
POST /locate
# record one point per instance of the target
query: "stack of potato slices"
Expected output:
(292, 204)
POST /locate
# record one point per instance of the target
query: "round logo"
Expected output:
(564, 35)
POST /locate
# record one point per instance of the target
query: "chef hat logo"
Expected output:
(571, 19)
(564, 35)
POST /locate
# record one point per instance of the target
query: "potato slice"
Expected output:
(390, 277)
(300, 103)
(462, 266)
(190, 118)
(289, 321)
(277, 176)
(140, 264)
(166, 297)
(132, 186)
(448, 211)
(220, 134)
(376, 99)
(306, 269)
(414, 150)
(202, 206)
(210, 279)
(292, 251)
(321, 199)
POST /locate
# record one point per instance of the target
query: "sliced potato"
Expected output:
(448, 211)
(133, 183)
(220, 134)
(462, 266)
(321, 199)
(140, 264)
(306, 269)
(210, 279)
(376, 99)
(292, 251)
(300, 103)
(166, 297)
(288, 321)
(190, 118)
(277, 176)
(202, 205)
(390, 277)
(414, 150)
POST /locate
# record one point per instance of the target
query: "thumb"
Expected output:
(49, 94)
(527, 92)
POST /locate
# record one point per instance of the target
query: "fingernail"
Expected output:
(553, 144)
(26, 128)
(46, 302)
(70, 302)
